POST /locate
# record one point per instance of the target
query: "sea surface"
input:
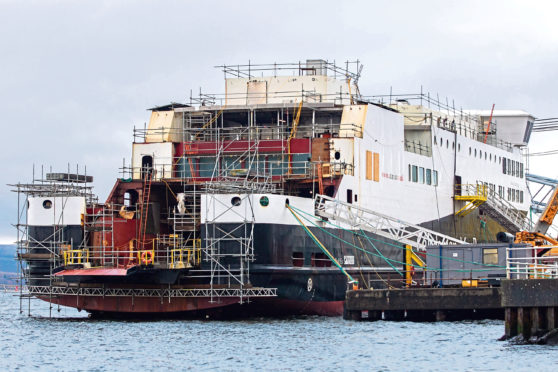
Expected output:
(72, 342)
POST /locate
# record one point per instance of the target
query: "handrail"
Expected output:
(498, 203)
(524, 263)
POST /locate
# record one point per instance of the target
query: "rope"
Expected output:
(381, 255)
(319, 244)
(391, 259)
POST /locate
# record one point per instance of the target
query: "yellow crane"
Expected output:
(538, 237)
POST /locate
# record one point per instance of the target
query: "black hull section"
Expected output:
(40, 269)
(286, 258)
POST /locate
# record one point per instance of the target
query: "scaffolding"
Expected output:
(42, 249)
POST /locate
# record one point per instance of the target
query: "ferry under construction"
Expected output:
(274, 198)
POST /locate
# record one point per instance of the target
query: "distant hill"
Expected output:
(8, 264)
(8, 278)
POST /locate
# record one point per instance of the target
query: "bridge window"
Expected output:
(435, 178)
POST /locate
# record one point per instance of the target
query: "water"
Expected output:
(75, 343)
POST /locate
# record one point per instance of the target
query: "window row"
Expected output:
(509, 194)
(446, 142)
(512, 168)
(515, 196)
(472, 152)
(423, 175)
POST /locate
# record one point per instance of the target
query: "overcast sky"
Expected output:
(76, 76)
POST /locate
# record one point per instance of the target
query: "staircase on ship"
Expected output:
(492, 204)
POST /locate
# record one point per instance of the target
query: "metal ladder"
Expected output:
(392, 228)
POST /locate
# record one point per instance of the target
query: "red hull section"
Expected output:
(141, 305)
(162, 306)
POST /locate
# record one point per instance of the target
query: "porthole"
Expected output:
(287, 202)
(459, 147)
(236, 201)
(47, 204)
(469, 150)
(337, 155)
(490, 157)
(447, 144)
(485, 156)
(435, 140)
(453, 145)
(480, 154)
(475, 153)
(264, 201)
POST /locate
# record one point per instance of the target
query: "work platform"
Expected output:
(424, 304)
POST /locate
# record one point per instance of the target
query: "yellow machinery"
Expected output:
(538, 238)
(411, 256)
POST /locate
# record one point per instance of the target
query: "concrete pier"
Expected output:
(531, 309)
(424, 304)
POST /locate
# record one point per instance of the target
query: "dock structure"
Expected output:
(531, 309)
(424, 304)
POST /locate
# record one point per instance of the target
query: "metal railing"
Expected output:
(236, 168)
(515, 218)
(170, 251)
(524, 263)
(260, 132)
(418, 148)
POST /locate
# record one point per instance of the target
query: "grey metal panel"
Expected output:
(459, 262)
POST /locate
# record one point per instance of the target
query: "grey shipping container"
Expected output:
(449, 265)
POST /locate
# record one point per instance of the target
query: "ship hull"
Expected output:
(224, 308)
(301, 290)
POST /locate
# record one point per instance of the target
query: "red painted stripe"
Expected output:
(298, 146)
